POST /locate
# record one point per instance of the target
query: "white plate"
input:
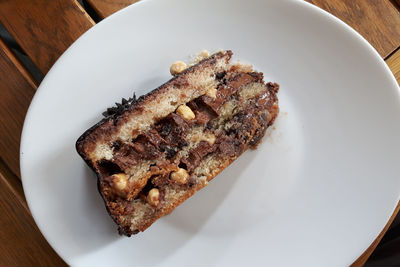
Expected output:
(318, 190)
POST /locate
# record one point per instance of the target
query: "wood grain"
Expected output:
(105, 8)
(44, 28)
(17, 88)
(394, 64)
(21, 243)
(376, 20)
(14, 182)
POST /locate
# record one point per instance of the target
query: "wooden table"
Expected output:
(43, 29)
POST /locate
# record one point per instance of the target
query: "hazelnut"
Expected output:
(120, 181)
(210, 138)
(177, 67)
(153, 197)
(242, 67)
(212, 92)
(180, 176)
(204, 54)
(185, 112)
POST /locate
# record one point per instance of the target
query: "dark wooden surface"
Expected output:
(104, 8)
(394, 64)
(45, 28)
(367, 253)
(16, 91)
(377, 20)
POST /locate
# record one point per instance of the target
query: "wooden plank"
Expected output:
(364, 257)
(386, 254)
(14, 182)
(105, 8)
(44, 28)
(21, 243)
(377, 20)
(17, 88)
(394, 64)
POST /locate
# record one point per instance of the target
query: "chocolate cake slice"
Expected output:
(152, 153)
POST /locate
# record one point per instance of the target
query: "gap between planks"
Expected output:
(44, 29)
(17, 88)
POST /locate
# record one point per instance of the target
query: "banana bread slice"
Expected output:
(152, 153)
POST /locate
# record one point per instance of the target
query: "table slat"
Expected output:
(105, 8)
(21, 243)
(17, 88)
(376, 20)
(394, 64)
(43, 28)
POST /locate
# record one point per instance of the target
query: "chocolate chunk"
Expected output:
(257, 136)
(204, 148)
(226, 147)
(180, 82)
(259, 76)
(203, 112)
(108, 168)
(116, 145)
(160, 181)
(226, 90)
(273, 87)
(220, 75)
(172, 129)
(240, 79)
(192, 161)
(144, 147)
(154, 138)
(242, 125)
(170, 151)
(196, 155)
(165, 129)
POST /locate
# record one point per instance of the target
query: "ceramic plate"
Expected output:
(316, 192)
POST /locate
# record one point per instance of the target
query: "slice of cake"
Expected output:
(151, 154)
